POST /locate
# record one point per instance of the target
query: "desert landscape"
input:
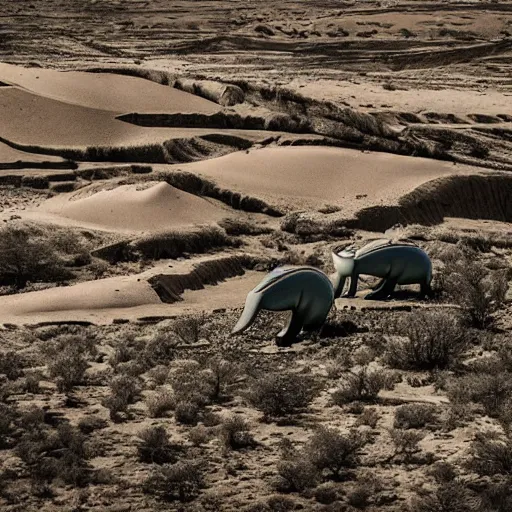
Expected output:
(158, 160)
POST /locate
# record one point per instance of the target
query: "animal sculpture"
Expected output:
(306, 291)
(395, 263)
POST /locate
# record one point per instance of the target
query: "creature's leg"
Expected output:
(354, 278)
(426, 290)
(290, 332)
(384, 290)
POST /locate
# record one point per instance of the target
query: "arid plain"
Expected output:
(158, 160)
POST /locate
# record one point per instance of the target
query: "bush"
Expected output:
(155, 447)
(11, 365)
(186, 413)
(406, 442)
(89, 424)
(450, 497)
(124, 390)
(27, 256)
(68, 358)
(8, 415)
(362, 385)
(180, 481)
(191, 383)
(237, 227)
(369, 417)
(491, 390)
(330, 450)
(477, 290)
(199, 435)
(296, 474)
(61, 454)
(326, 493)
(491, 455)
(160, 349)
(223, 374)
(434, 340)
(359, 497)
(235, 433)
(188, 329)
(281, 394)
(414, 415)
(159, 403)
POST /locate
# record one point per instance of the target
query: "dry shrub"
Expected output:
(296, 474)
(160, 349)
(369, 417)
(330, 450)
(159, 374)
(223, 374)
(11, 365)
(124, 390)
(491, 455)
(155, 447)
(89, 424)
(188, 329)
(281, 394)
(363, 384)
(477, 290)
(238, 227)
(414, 415)
(60, 453)
(199, 435)
(181, 481)
(27, 254)
(431, 340)
(186, 413)
(159, 403)
(235, 433)
(448, 497)
(68, 358)
(491, 390)
(406, 442)
(191, 383)
(173, 244)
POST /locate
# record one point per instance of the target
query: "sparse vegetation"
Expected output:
(281, 394)
(362, 384)
(181, 481)
(429, 340)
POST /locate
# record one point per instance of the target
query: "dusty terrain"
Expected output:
(156, 161)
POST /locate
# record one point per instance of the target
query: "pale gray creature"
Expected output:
(306, 291)
(396, 263)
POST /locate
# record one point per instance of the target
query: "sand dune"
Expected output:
(30, 119)
(10, 155)
(127, 208)
(129, 297)
(106, 91)
(305, 176)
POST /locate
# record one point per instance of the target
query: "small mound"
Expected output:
(126, 208)
(313, 176)
(106, 91)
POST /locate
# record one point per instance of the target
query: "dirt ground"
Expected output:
(158, 160)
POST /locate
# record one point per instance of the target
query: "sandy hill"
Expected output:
(313, 176)
(128, 208)
(106, 91)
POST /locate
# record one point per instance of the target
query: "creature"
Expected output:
(396, 263)
(306, 291)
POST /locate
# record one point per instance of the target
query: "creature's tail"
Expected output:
(251, 309)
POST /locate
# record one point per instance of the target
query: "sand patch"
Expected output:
(313, 176)
(128, 208)
(129, 297)
(106, 91)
